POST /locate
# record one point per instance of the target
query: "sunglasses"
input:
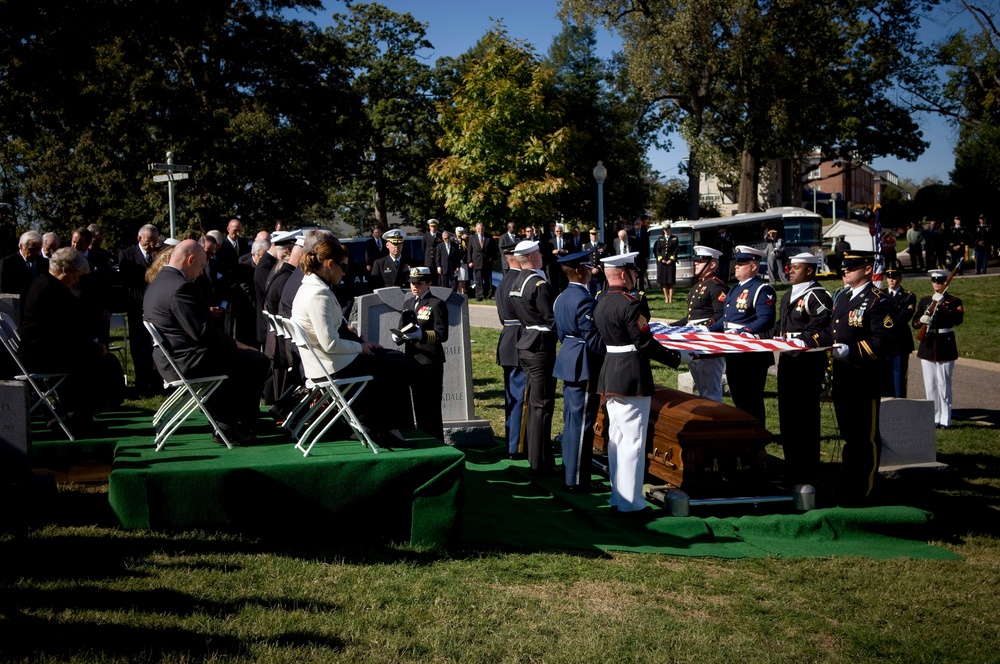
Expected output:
(939, 280)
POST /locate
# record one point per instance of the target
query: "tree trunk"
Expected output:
(749, 183)
(694, 185)
(381, 218)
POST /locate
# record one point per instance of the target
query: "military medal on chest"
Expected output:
(743, 300)
(423, 313)
(857, 317)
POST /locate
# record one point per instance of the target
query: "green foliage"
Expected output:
(977, 167)
(506, 153)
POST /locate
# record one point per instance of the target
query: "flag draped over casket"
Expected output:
(697, 340)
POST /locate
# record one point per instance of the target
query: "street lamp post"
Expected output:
(600, 174)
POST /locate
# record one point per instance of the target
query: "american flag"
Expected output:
(879, 259)
(696, 340)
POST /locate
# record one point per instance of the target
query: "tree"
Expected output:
(394, 89)
(505, 151)
(755, 79)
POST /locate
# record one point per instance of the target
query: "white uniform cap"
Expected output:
(171, 242)
(525, 247)
(432, 222)
(395, 236)
(940, 274)
(285, 237)
(805, 257)
(620, 260)
(706, 252)
(459, 230)
(749, 253)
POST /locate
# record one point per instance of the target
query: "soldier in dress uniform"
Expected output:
(513, 377)
(391, 270)
(706, 305)
(749, 309)
(860, 331)
(938, 351)
(424, 327)
(626, 379)
(598, 250)
(804, 313)
(897, 357)
(578, 365)
(532, 298)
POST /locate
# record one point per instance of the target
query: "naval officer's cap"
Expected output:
(745, 254)
(395, 236)
(420, 274)
(579, 259)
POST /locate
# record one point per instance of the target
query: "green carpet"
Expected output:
(505, 508)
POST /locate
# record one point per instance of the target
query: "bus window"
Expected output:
(804, 232)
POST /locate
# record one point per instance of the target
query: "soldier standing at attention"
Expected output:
(897, 357)
(860, 331)
(804, 313)
(706, 304)
(531, 298)
(938, 351)
(578, 365)
(749, 309)
(626, 379)
(513, 377)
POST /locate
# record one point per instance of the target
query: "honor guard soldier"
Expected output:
(513, 377)
(531, 298)
(938, 350)
(897, 358)
(626, 379)
(598, 250)
(804, 313)
(424, 327)
(706, 305)
(391, 270)
(578, 365)
(860, 331)
(749, 309)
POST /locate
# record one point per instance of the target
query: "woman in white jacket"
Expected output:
(384, 406)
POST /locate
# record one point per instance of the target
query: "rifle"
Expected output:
(931, 310)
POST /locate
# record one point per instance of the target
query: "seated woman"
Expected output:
(384, 406)
(53, 340)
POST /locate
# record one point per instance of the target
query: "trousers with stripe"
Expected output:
(856, 398)
(580, 405)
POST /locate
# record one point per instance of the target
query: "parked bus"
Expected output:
(801, 229)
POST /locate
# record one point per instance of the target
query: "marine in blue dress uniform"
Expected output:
(860, 331)
(804, 313)
(531, 298)
(706, 305)
(424, 323)
(749, 309)
(626, 379)
(513, 377)
(578, 365)
(895, 370)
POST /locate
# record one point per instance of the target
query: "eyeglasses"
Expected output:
(343, 266)
(939, 280)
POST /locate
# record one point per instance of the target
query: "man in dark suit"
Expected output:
(430, 242)
(482, 253)
(391, 270)
(176, 307)
(18, 270)
(622, 243)
(508, 240)
(374, 249)
(639, 241)
(555, 250)
(234, 246)
(132, 265)
(447, 259)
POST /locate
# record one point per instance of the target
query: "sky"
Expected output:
(454, 26)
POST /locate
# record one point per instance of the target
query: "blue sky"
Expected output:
(453, 26)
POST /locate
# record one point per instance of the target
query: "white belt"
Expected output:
(942, 330)
(540, 328)
(511, 322)
(734, 326)
(575, 338)
(697, 321)
(622, 349)
(792, 335)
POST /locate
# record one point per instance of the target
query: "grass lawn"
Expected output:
(79, 589)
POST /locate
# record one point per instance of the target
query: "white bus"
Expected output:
(801, 229)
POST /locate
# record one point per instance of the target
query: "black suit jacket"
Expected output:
(52, 338)
(482, 255)
(15, 277)
(373, 252)
(132, 275)
(179, 311)
(506, 242)
(641, 244)
(448, 261)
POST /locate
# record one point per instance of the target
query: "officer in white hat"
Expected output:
(513, 377)
(626, 379)
(531, 298)
(391, 270)
(423, 324)
(938, 350)
(804, 313)
(749, 309)
(706, 304)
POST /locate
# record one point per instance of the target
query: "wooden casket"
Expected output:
(699, 445)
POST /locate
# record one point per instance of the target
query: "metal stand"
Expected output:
(679, 503)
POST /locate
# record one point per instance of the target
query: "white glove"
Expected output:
(415, 335)
(840, 351)
(398, 339)
(925, 319)
(686, 356)
(937, 297)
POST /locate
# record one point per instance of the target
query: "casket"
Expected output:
(698, 445)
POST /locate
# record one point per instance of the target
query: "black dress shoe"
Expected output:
(517, 456)
(234, 439)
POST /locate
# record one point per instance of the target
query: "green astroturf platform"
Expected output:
(340, 493)
(505, 508)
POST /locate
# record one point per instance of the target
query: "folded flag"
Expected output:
(697, 340)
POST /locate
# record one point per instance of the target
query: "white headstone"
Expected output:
(908, 435)
(15, 432)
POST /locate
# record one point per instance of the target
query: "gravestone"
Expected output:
(15, 432)
(376, 314)
(11, 304)
(685, 383)
(908, 435)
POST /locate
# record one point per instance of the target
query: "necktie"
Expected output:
(149, 258)
(480, 240)
(559, 244)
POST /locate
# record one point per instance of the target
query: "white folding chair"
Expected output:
(188, 396)
(43, 385)
(331, 399)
